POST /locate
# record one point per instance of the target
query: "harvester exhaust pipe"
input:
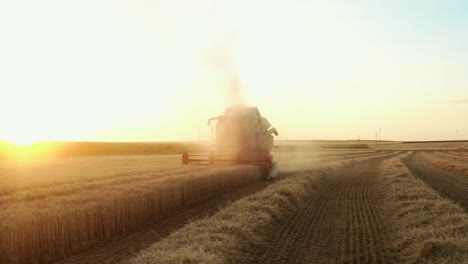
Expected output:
(272, 131)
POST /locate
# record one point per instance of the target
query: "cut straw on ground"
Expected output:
(451, 166)
(427, 227)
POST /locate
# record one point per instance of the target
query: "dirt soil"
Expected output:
(449, 185)
(118, 249)
(342, 222)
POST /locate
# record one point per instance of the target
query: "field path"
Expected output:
(449, 185)
(341, 223)
(123, 247)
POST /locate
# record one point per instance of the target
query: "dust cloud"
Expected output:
(227, 75)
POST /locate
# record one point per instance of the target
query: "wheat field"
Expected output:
(393, 217)
(348, 205)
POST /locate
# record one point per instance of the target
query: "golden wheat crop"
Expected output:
(50, 221)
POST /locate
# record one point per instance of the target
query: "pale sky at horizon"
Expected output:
(142, 70)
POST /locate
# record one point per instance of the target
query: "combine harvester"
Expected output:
(243, 136)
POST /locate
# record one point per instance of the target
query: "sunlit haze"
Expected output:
(156, 70)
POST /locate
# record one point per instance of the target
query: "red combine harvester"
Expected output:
(243, 136)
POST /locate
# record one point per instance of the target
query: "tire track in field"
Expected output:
(449, 185)
(340, 223)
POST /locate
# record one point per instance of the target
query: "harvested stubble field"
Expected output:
(453, 163)
(342, 221)
(445, 176)
(57, 207)
(427, 227)
(370, 210)
(461, 156)
(343, 206)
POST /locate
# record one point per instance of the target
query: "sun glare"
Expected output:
(21, 141)
(26, 149)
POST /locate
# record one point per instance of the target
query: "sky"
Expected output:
(140, 70)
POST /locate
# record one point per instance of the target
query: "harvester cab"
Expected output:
(243, 136)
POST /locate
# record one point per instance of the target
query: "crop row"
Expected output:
(449, 165)
(39, 232)
(427, 227)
